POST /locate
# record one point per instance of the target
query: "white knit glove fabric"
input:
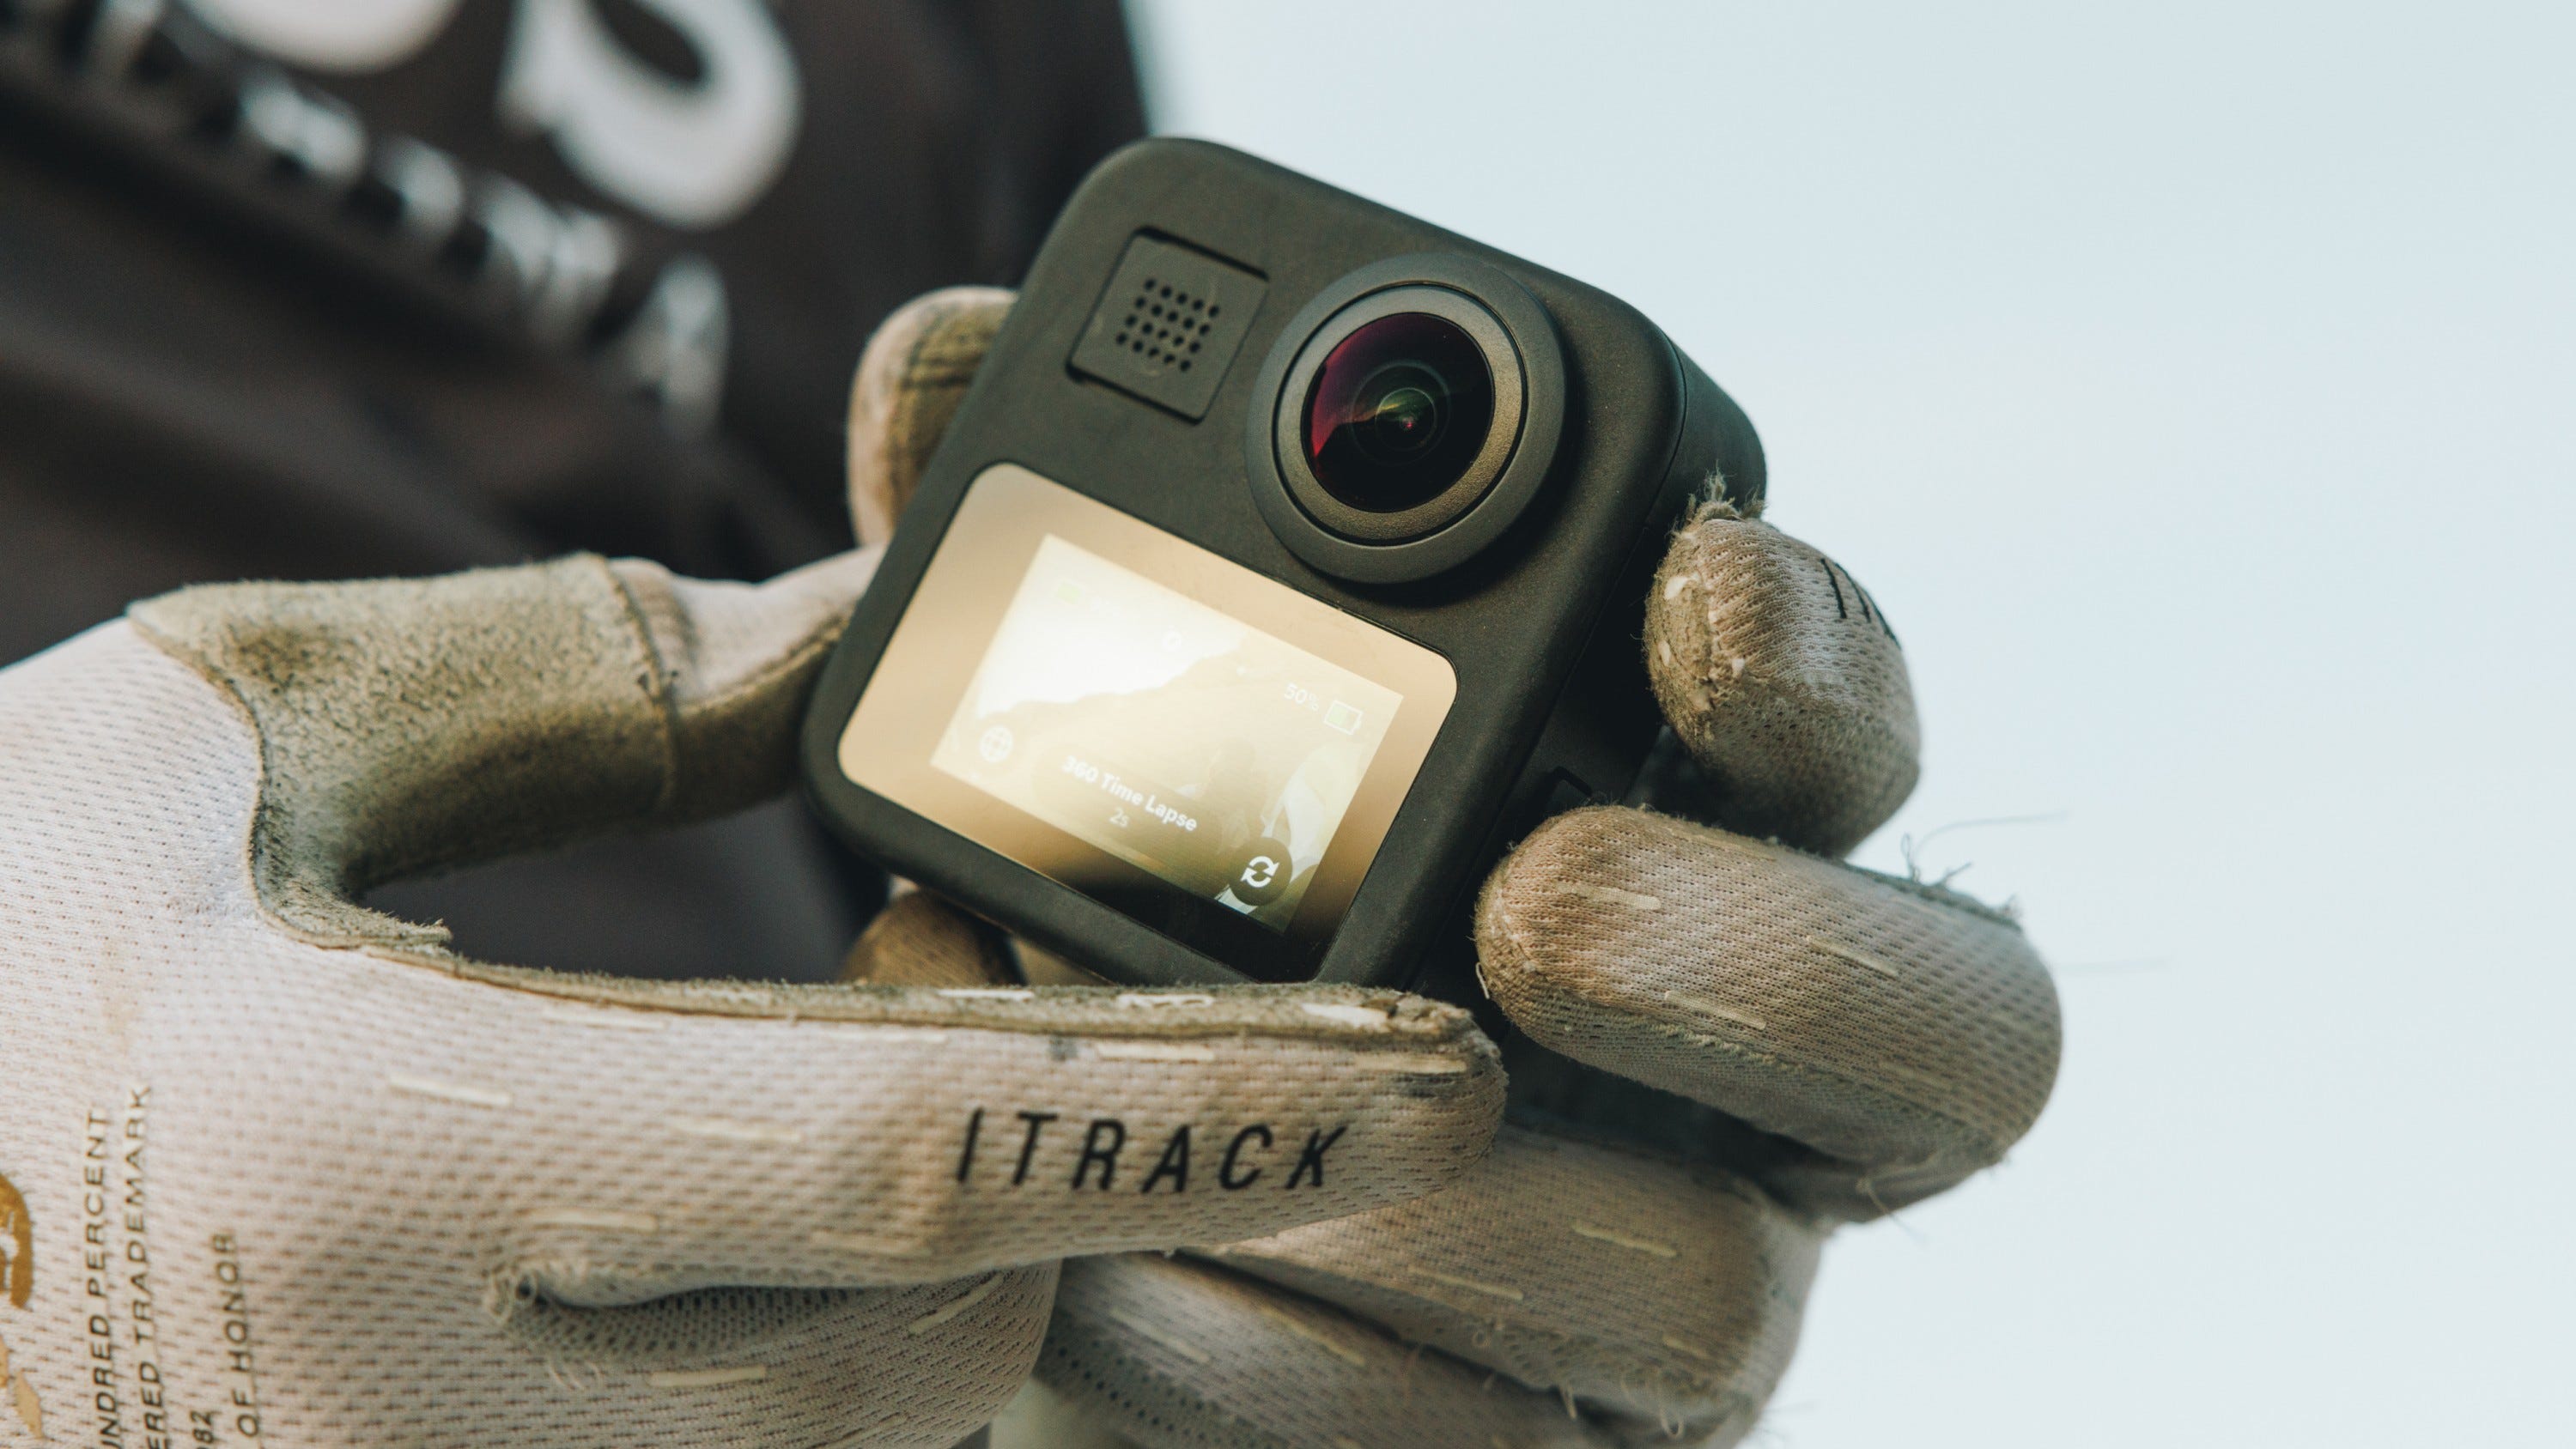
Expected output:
(1776, 1042)
(277, 1169)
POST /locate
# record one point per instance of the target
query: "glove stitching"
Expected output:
(655, 674)
(1053, 1013)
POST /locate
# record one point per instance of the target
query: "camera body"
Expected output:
(1285, 561)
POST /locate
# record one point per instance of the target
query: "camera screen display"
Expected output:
(1181, 738)
(1175, 737)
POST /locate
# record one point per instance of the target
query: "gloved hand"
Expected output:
(277, 1169)
(1729, 1044)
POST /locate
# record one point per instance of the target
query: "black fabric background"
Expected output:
(183, 398)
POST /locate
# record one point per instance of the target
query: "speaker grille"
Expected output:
(1169, 324)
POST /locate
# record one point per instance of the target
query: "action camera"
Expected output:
(1285, 561)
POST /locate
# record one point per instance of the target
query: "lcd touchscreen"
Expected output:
(1176, 736)
(1171, 735)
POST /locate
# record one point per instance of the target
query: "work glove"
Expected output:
(1725, 1043)
(278, 1169)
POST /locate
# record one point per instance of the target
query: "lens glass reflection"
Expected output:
(1398, 412)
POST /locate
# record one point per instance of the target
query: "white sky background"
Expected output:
(2196, 387)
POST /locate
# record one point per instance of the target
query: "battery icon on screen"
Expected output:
(1342, 717)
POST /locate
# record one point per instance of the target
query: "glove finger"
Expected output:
(1179, 1355)
(634, 1139)
(1905, 1032)
(920, 940)
(917, 1366)
(407, 726)
(410, 726)
(911, 379)
(1634, 1287)
(1782, 676)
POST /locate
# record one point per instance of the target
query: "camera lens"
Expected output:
(1407, 414)
(1398, 412)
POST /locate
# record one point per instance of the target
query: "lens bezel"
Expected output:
(1522, 355)
(1502, 433)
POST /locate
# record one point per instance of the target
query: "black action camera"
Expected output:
(1285, 561)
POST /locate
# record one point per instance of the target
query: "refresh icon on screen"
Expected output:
(1264, 873)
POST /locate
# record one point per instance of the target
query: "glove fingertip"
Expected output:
(1784, 679)
(920, 940)
(910, 380)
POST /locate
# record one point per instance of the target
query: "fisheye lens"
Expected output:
(1398, 412)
